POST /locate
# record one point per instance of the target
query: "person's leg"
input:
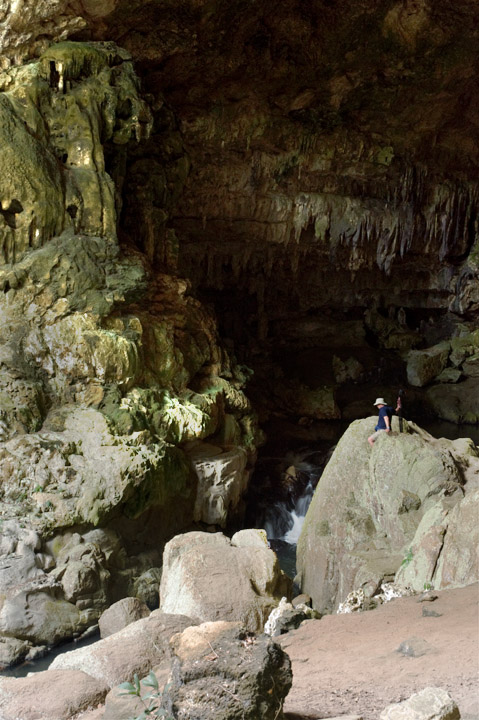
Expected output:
(373, 437)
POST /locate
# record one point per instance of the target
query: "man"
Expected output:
(384, 421)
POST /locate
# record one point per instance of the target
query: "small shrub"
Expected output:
(151, 702)
(408, 558)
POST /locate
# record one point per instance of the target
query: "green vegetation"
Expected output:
(151, 701)
(407, 559)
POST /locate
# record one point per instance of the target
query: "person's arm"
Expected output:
(387, 422)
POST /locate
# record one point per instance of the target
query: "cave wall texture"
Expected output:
(294, 139)
(188, 184)
(318, 137)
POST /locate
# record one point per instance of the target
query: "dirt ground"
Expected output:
(352, 664)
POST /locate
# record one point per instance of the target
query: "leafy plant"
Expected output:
(151, 701)
(427, 586)
(408, 558)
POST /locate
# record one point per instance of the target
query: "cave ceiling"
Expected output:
(305, 153)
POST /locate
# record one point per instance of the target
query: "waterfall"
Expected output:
(284, 520)
(282, 491)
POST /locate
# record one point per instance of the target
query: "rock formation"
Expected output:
(401, 510)
(430, 703)
(105, 370)
(219, 671)
(212, 578)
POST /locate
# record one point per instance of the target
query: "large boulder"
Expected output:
(50, 695)
(445, 549)
(220, 671)
(424, 365)
(223, 477)
(374, 508)
(121, 614)
(135, 649)
(457, 403)
(210, 577)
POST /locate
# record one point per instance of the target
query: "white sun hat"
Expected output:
(380, 401)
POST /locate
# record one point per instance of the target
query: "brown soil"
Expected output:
(350, 664)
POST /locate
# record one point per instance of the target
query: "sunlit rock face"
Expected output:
(107, 371)
(399, 510)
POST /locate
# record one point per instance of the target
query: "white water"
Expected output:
(284, 523)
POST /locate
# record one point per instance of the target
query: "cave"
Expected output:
(226, 227)
(315, 166)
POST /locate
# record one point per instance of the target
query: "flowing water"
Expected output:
(283, 527)
(288, 486)
(43, 663)
(278, 507)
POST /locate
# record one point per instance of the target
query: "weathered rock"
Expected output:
(219, 670)
(463, 346)
(349, 369)
(301, 599)
(470, 367)
(368, 506)
(121, 614)
(429, 704)
(424, 365)
(287, 617)
(135, 649)
(147, 587)
(50, 695)
(319, 403)
(449, 375)
(207, 575)
(459, 560)
(12, 651)
(414, 647)
(223, 477)
(250, 538)
(457, 403)
(119, 706)
(391, 333)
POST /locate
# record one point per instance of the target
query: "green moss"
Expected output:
(162, 484)
(324, 528)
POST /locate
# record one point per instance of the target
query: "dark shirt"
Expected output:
(383, 412)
